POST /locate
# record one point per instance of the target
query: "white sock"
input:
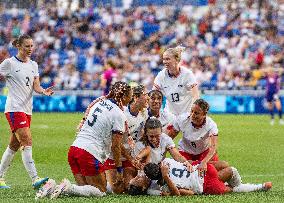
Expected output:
(236, 179)
(85, 191)
(109, 189)
(248, 187)
(6, 161)
(29, 162)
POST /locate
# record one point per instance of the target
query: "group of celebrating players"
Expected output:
(123, 139)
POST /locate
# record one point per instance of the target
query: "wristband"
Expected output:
(119, 169)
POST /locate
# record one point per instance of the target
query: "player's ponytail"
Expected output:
(117, 91)
(19, 41)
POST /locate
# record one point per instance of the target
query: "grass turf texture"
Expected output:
(247, 142)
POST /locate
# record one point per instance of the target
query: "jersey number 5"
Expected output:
(91, 123)
(175, 97)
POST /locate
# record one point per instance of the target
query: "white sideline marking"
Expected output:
(264, 175)
(41, 126)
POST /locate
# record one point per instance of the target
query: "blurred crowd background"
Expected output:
(90, 44)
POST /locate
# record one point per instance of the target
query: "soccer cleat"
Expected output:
(267, 186)
(38, 182)
(46, 190)
(281, 122)
(64, 186)
(272, 122)
(3, 184)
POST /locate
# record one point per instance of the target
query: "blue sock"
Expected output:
(280, 114)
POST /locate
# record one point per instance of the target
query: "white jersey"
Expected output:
(135, 122)
(176, 90)
(19, 77)
(95, 136)
(165, 117)
(194, 141)
(184, 179)
(159, 153)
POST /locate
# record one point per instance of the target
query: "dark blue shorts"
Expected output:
(271, 96)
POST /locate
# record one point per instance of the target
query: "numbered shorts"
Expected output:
(18, 120)
(198, 157)
(82, 162)
(110, 164)
(212, 185)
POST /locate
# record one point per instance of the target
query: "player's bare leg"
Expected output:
(117, 188)
(271, 111)
(279, 109)
(219, 165)
(7, 158)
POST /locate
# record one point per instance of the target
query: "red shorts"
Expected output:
(110, 164)
(198, 157)
(82, 162)
(212, 185)
(18, 120)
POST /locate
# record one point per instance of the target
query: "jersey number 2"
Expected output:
(28, 81)
(91, 123)
(175, 97)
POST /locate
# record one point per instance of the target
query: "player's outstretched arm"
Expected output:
(38, 88)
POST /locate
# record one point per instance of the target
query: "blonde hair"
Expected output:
(176, 52)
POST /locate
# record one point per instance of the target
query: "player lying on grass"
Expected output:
(175, 179)
(100, 135)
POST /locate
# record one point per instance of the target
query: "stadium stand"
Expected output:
(227, 43)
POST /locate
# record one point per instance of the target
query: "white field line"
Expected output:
(264, 175)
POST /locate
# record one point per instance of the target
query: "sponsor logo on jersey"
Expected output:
(23, 122)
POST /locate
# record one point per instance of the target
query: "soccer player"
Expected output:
(22, 78)
(272, 97)
(177, 83)
(100, 136)
(177, 180)
(155, 108)
(154, 145)
(200, 135)
(136, 115)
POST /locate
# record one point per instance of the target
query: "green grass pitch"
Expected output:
(247, 142)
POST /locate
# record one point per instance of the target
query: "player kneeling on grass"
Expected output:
(177, 180)
(100, 135)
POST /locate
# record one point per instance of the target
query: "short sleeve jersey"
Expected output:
(194, 141)
(165, 117)
(19, 77)
(135, 122)
(95, 136)
(176, 90)
(184, 179)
